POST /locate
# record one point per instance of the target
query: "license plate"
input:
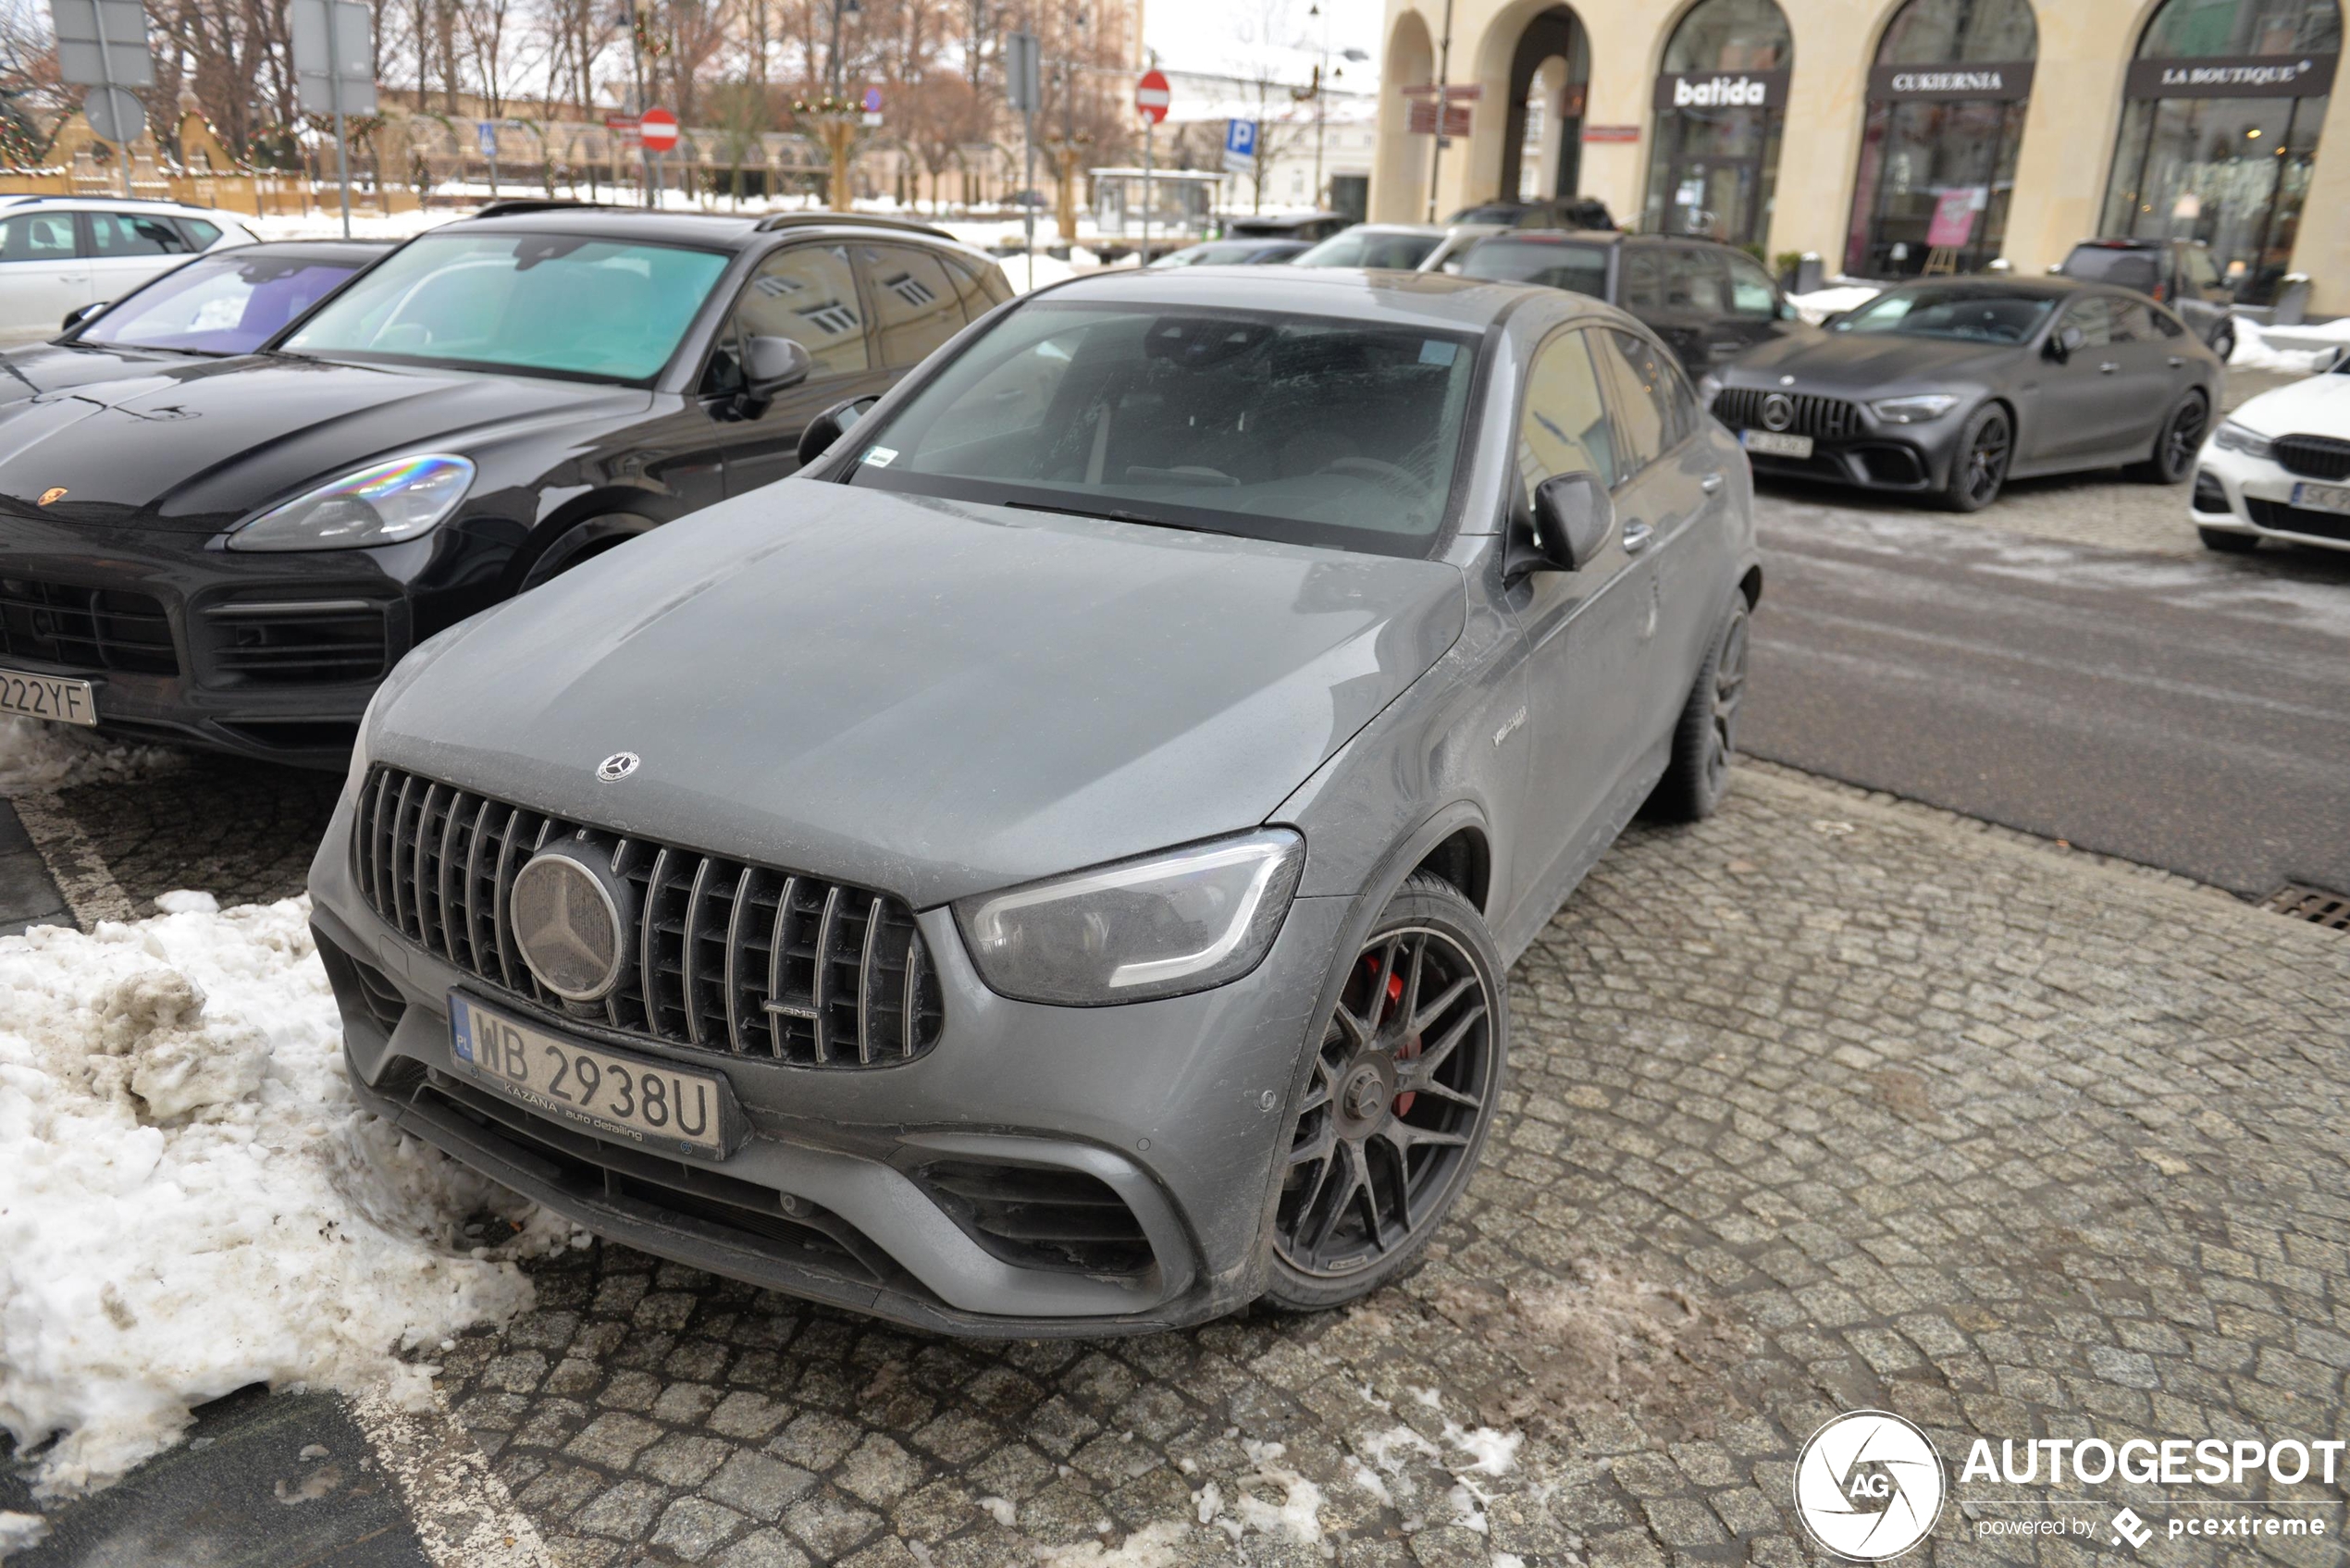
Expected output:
(2323, 498)
(643, 1102)
(1772, 443)
(47, 697)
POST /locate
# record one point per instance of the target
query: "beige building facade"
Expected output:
(1892, 137)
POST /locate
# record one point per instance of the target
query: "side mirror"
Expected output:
(1787, 311)
(830, 425)
(2066, 342)
(76, 317)
(1573, 515)
(773, 364)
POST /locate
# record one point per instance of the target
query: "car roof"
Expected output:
(2045, 288)
(98, 202)
(312, 250)
(1432, 300)
(723, 231)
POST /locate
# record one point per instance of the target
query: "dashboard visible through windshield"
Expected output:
(1310, 429)
(549, 305)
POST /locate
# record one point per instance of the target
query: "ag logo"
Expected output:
(1868, 1486)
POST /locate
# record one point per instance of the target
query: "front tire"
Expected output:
(1706, 736)
(1980, 467)
(1403, 1088)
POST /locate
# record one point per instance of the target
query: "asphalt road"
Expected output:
(2189, 711)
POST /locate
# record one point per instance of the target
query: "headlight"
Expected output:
(2232, 436)
(380, 504)
(1160, 926)
(1914, 411)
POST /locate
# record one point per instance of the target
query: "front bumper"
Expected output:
(272, 656)
(1850, 445)
(1176, 1107)
(2238, 493)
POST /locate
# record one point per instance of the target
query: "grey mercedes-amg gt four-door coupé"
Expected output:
(1051, 866)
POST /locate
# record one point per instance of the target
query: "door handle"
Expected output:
(1709, 484)
(1636, 535)
(2176, 361)
(2107, 368)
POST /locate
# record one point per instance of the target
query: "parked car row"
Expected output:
(1048, 866)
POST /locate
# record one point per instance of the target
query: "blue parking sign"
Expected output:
(487, 132)
(1240, 138)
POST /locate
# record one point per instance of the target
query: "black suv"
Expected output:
(1709, 303)
(1558, 212)
(232, 552)
(2178, 273)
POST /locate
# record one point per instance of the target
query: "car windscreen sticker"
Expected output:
(879, 457)
(1435, 351)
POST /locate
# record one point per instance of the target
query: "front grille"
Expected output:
(2315, 457)
(721, 954)
(87, 628)
(1042, 1217)
(2297, 519)
(1826, 419)
(317, 643)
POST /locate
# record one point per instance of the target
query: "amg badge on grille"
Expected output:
(618, 765)
(567, 922)
(54, 493)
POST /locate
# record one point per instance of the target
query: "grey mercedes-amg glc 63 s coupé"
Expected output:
(1052, 865)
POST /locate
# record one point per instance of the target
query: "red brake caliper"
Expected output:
(1410, 1046)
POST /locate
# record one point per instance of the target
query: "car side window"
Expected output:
(1694, 281)
(2134, 322)
(2093, 318)
(915, 305)
(121, 234)
(2200, 270)
(2166, 324)
(1564, 426)
(970, 289)
(1648, 405)
(37, 237)
(1750, 291)
(806, 293)
(201, 235)
(1643, 286)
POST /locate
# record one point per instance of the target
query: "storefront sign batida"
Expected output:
(1722, 90)
(2242, 76)
(2009, 81)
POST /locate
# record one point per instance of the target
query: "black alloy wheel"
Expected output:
(2182, 438)
(1396, 1107)
(1981, 465)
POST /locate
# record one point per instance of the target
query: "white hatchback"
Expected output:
(58, 253)
(2279, 467)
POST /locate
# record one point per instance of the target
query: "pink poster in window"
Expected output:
(1954, 216)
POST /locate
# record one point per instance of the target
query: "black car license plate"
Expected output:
(620, 1096)
(47, 697)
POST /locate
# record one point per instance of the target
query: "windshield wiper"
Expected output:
(1111, 516)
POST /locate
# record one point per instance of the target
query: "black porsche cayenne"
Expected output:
(232, 552)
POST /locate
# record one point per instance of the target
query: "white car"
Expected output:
(58, 253)
(1403, 247)
(2278, 468)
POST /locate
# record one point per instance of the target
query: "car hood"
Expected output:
(2316, 405)
(54, 367)
(193, 447)
(923, 696)
(1867, 362)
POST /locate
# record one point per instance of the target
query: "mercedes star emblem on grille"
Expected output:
(618, 765)
(567, 925)
(1778, 412)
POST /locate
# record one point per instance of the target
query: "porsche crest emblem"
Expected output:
(54, 493)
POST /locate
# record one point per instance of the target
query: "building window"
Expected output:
(1945, 108)
(2219, 132)
(1543, 135)
(1719, 105)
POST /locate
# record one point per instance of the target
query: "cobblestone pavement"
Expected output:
(1831, 1101)
(243, 832)
(2104, 508)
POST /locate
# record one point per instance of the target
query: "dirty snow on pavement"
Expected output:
(37, 756)
(190, 1202)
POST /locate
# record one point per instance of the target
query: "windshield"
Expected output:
(1582, 268)
(229, 303)
(1311, 429)
(2103, 263)
(1966, 315)
(550, 304)
(1223, 253)
(1401, 251)
(1492, 212)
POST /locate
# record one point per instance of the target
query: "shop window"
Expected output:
(2218, 137)
(1719, 105)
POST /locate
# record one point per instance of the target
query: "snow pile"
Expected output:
(2294, 350)
(21, 1532)
(1820, 304)
(39, 756)
(190, 1199)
